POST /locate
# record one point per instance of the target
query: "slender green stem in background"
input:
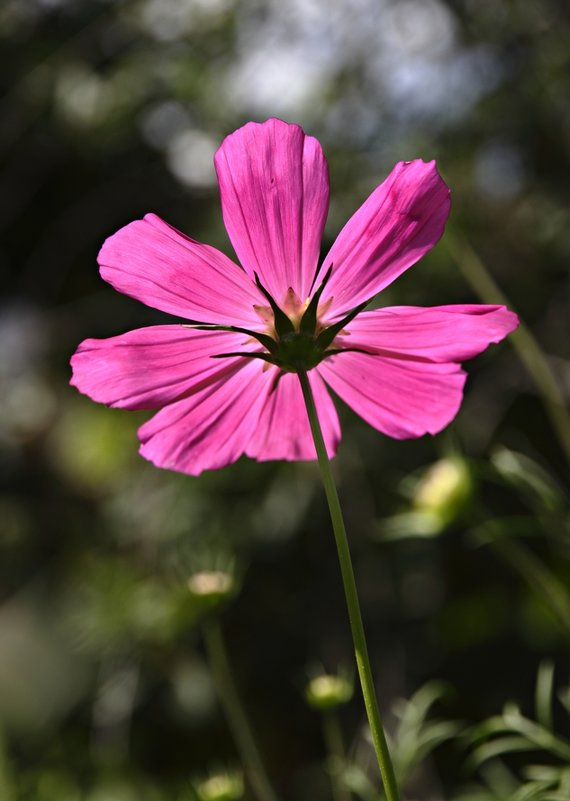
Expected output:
(526, 346)
(237, 720)
(358, 637)
(336, 754)
(539, 578)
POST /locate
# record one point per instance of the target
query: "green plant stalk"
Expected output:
(336, 754)
(526, 346)
(539, 578)
(237, 719)
(353, 605)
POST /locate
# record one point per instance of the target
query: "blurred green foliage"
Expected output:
(461, 543)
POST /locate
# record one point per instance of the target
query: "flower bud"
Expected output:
(328, 691)
(211, 587)
(444, 489)
(220, 787)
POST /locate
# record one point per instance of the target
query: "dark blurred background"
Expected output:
(113, 109)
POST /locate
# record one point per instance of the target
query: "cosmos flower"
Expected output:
(225, 381)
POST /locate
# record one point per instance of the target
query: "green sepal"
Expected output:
(283, 324)
(248, 355)
(264, 339)
(336, 351)
(325, 338)
(308, 322)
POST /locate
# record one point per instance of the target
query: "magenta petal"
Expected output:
(436, 334)
(213, 427)
(400, 397)
(156, 264)
(283, 430)
(401, 220)
(274, 189)
(153, 366)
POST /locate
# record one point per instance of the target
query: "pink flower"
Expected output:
(229, 386)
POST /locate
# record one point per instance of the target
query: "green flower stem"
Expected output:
(337, 757)
(526, 346)
(358, 637)
(237, 720)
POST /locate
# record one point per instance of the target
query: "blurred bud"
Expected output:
(444, 490)
(212, 587)
(327, 691)
(221, 787)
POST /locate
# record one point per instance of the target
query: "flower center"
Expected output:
(295, 339)
(294, 331)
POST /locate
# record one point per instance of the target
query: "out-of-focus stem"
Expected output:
(538, 577)
(336, 754)
(237, 719)
(352, 602)
(526, 346)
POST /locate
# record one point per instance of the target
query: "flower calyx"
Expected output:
(297, 342)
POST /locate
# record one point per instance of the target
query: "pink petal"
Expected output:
(436, 334)
(401, 220)
(400, 397)
(156, 264)
(283, 430)
(213, 427)
(274, 189)
(153, 366)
